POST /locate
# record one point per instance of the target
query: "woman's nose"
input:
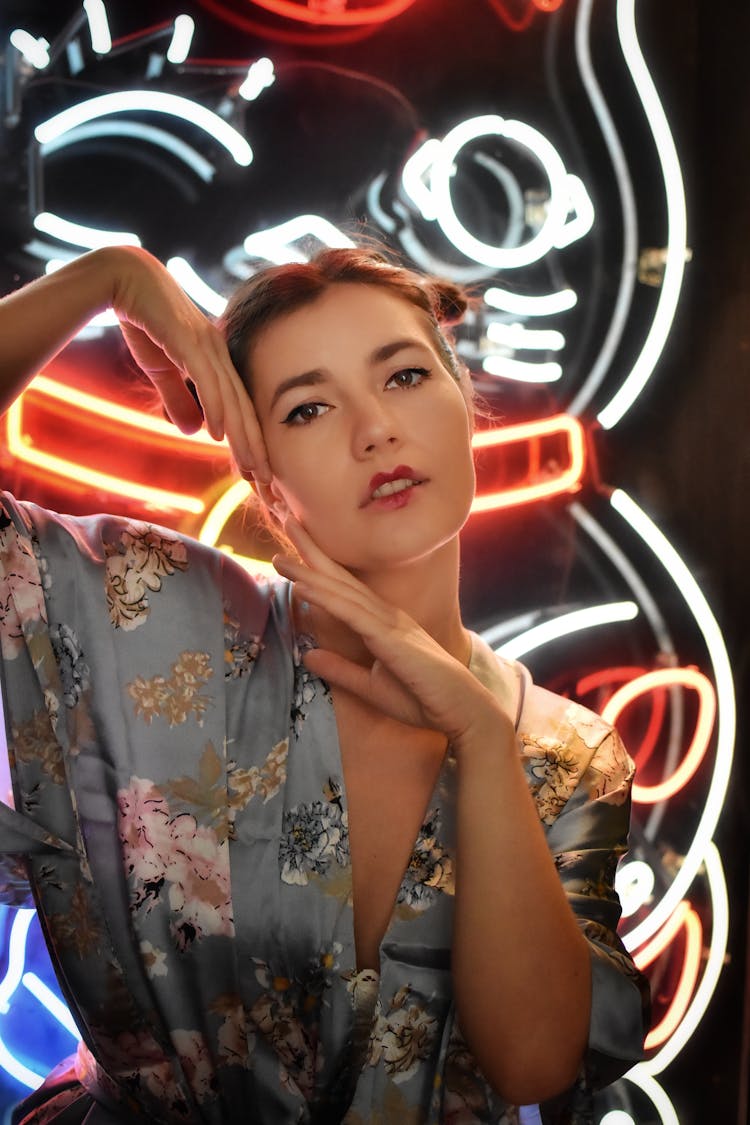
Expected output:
(375, 428)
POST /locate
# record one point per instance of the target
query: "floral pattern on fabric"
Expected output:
(34, 741)
(430, 868)
(135, 566)
(74, 671)
(611, 772)
(171, 856)
(315, 835)
(554, 772)
(240, 653)
(22, 597)
(307, 688)
(404, 1036)
(176, 698)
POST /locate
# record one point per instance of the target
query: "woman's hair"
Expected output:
(278, 290)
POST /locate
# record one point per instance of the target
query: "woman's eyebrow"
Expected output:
(387, 351)
(306, 379)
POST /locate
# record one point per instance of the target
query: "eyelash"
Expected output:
(295, 417)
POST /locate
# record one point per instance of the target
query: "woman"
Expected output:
(290, 861)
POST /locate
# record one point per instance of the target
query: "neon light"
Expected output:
(273, 243)
(647, 954)
(101, 40)
(503, 367)
(564, 481)
(519, 338)
(663, 678)
(634, 883)
(413, 178)
(712, 970)
(19, 445)
(49, 1000)
(443, 170)
(195, 287)
(259, 77)
(685, 986)
(722, 677)
(149, 133)
(337, 17)
(610, 676)
(153, 101)
(657, 1094)
(548, 5)
(617, 1117)
(580, 203)
(629, 259)
(182, 39)
(566, 624)
(676, 221)
(79, 235)
(35, 51)
(17, 1070)
(16, 955)
(521, 304)
(234, 497)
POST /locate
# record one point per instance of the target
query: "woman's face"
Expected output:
(368, 435)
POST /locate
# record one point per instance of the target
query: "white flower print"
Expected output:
(314, 836)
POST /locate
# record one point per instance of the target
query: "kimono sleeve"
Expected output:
(587, 839)
(23, 624)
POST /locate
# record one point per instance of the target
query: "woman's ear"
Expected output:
(272, 498)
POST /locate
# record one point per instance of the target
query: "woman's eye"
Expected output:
(304, 413)
(408, 377)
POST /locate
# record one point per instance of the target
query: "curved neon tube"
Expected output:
(722, 676)
(530, 431)
(259, 77)
(182, 39)
(657, 1094)
(293, 11)
(522, 304)
(78, 235)
(520, 338)
(195, 287)
(154, 101)
(665, 678)
(440, 183)
(634, 883)
(273, 244)
(142, 132)
(676, 221)
(566, 624)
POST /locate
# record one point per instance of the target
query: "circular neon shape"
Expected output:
(547, 156)
(378, 13)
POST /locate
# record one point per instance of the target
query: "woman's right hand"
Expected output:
(171, 340)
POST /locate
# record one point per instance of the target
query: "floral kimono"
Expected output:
(181, 819)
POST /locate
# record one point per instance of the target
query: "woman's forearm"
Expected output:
(37, 321)
(521, 966)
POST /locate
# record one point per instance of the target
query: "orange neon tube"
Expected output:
(359, 16)
(565, 481)
(685, 986)
(667, 678)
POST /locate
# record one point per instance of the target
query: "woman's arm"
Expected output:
(170, 339)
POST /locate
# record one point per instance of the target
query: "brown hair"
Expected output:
(283, 289)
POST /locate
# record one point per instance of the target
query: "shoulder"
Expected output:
(570, 754)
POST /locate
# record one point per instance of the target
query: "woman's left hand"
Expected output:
(412, 678)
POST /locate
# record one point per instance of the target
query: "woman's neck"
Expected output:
(426, 589)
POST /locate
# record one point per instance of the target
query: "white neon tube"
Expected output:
(35, 51)
(182, 39)
(503, 367)
(657, 1094)
(96, 13)
(520, 338)
(149, 133)
(49, 1000)
(443, 170)
(726, 713)
(195, 287)
(566, 624)
(153, 101)
(274, 244)
(629, 262)
(580, 203)
(522, 304)
(676, 221)
(78, 235)
(712, 971)
(259, 77)
(413, 178)
(634, 883)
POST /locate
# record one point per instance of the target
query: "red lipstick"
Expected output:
(391, 499)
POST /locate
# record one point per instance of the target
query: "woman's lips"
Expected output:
(393, 489)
